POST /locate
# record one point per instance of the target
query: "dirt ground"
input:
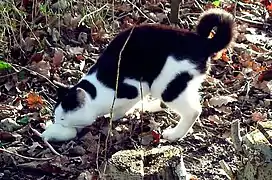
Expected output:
(43, 42)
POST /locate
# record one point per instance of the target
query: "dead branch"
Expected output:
(25, 157)
(45, 141)
(236, 136)
(227, 169)
(174, 11)
(115, 94)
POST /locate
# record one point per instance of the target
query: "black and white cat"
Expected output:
(170, 63)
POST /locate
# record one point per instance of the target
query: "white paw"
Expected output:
(170, 134)
(57, 132)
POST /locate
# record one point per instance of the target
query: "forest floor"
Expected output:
(43, 42)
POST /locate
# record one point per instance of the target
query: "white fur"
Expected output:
(187, 104)
(57, 132)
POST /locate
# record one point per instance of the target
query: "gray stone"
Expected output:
(258, 163)
(164, 163)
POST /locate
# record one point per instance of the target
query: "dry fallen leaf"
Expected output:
(257, 116)
(221, 100)
(6, 136)
(42, 67)
(215, 119)
(34, 100)
(58, 57)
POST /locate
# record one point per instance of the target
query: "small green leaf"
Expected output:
(23, 121)
(21, 75)
(4, 65)
(216, 3)
(43, 8)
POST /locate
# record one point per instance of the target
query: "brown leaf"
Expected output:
(37, 57)
(257, 116)
(58, 57)
(7, 136)
(29, 44)
(42, 67)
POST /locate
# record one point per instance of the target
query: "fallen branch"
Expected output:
(35, 73)
(91, 13)
(253, 22)
(115, 94)
(227, 169)
(46, 142)
(25, 157)
(140, 11)
(236, 136)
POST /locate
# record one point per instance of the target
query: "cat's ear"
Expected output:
(81, 94)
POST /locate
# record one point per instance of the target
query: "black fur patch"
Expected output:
(176, 86)
(88, 87)
(69, 99)
(145, 54)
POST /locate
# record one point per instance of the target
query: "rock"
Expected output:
(258, 163)
(165, 162)
(126, 165)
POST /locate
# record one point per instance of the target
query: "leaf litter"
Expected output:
(49, 48)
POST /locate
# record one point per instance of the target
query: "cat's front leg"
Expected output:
(120, 111)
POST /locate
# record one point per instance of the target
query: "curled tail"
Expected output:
(224, 24)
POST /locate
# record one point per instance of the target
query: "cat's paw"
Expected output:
(170, 134)
(57, 132)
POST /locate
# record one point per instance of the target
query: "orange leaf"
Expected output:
(269, 7)
(34, 100)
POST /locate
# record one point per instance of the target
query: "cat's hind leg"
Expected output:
(188, 112)
(187, 105)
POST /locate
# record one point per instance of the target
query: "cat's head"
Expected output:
(72, 107)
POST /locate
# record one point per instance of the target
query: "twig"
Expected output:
(115, 94)
(46, 142)
(142, 108)
(199, 6)
(227, 169)
(140, 11)
(97, 155)
(235, 135)
(91, 13)
(25, 157)
(253, 22)
(34, 72)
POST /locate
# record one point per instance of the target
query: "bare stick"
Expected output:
(235, 135)
(34, 72)
(140, 11)
(45, 141)
(25, 157)
(115, 94)
(174, 11)
(253, 22)
(227, 169)
(87, 15)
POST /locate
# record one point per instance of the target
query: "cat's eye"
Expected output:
(62, 118)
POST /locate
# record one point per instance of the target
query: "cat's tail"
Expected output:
(224, 24)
